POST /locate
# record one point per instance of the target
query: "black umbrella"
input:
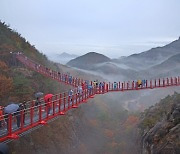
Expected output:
(38, 94)
(4, 148)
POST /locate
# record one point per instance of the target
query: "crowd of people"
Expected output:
(19, 111)
(79, 90)
(68, 78)
(16, 112)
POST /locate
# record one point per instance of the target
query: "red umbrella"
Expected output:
(48, 96)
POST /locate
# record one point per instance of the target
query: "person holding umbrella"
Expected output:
(38, 95)
(11, 108)
(48, 101)
(23, 107)
(18, 115)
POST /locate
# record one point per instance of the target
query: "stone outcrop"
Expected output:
(160, 127)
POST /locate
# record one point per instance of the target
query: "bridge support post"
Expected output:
(107, 88)
(64, 102)
(42, 122)
(31, 114)
(10, 134)
(40, 113)
(22, 115)
(69, 102)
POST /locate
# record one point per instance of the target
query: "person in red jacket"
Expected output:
(49, 105)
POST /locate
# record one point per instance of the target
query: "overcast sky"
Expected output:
(112, 27)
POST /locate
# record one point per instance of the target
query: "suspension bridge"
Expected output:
(35, 116)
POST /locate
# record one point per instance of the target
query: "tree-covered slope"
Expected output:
(18, 83)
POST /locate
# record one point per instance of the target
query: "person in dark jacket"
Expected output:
(18, 115)
(24, 110)
(37, 102)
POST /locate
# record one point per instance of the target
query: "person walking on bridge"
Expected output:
(1, 116)
(48, 106)
(24, 110)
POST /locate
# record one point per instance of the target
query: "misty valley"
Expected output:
(80, 104)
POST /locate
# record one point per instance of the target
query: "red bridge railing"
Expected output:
(36, 115)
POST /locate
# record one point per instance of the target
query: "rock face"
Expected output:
(160, 127)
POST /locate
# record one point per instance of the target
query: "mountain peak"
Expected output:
(64, 54)
(88, 60)
(67, 55)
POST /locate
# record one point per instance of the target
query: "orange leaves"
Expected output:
(108, 133)
(7, 47)
(5, 85)
(3, 67)
(131, 121)
(5, 82)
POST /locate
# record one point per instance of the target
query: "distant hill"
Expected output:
(169, 67)
(156, 62)
(67, 55)
(151, 57)
(88, 60)
(62, 58)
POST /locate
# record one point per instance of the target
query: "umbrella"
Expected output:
(4, 148)
(48, 96)
(11, 108)
(38, 94)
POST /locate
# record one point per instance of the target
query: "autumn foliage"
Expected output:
(5, 82)
(5, 86)
(131, 120)
(108, 133)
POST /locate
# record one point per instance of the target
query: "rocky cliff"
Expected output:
(160, 127)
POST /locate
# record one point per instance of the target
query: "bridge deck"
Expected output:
(35, 116)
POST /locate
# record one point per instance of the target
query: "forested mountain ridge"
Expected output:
(153, 56)
(18, 83)
(102, 119)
